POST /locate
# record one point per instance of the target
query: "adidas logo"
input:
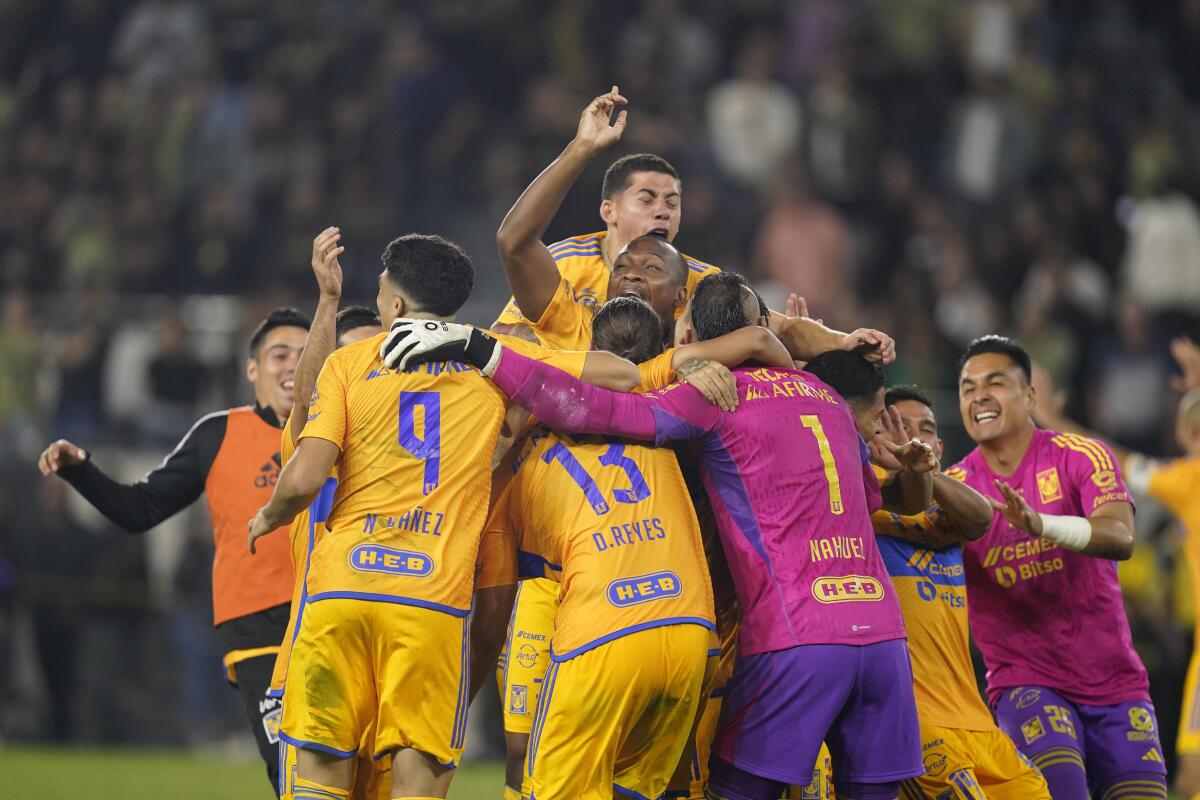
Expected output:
(1153, 755)
(268, 473)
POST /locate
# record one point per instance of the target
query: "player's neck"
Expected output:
(611, 247)
(1004, 455)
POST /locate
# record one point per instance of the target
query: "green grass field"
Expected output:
(67, 774)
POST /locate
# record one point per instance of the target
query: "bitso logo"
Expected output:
(1006, 577)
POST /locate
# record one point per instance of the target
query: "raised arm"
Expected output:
(530, 267)
(1106, 533)
(967, 510)
(322, 335)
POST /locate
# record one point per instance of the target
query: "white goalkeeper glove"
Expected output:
(417, 341)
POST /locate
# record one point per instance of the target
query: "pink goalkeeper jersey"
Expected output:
(790, 486)
(1043, 615)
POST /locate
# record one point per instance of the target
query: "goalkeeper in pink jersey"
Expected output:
(1044, 603)
(822, 651)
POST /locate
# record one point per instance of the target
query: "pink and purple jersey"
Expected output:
(1043, 615)
(790, 484)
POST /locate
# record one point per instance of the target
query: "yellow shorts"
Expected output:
(971, 765)
(617, 718)
(372, 777)
(371, 677)
(526, 653)
(1188, 743)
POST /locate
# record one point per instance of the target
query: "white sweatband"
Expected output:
(1073, 533)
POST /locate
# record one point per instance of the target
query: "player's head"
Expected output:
(641, 195)
(355, 323)
(275, 348)
(424, 276)
(857, 380)
(995, 392)
(723, 303)
(1187, 423)
(651, 269)
(916, 414)
(628, 327)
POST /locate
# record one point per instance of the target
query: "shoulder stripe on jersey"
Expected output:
(579, 241)
(1088, 447)
(561, 254)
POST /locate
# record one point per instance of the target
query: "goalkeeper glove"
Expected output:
(417, 341)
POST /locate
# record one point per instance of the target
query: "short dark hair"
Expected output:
(998, 344)
(850, 375)
(898, 394)
(629, 327)
(279, 318)
(717, 305)
(434, 273)
(674, 258)
(352, 317)
(616, 177)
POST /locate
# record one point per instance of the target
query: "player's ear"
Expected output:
(608, 211)
(681, 296)
(938, 447)
(252, 369)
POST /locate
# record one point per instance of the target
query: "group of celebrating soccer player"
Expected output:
(702, 547)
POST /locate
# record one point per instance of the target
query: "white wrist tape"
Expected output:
(1073, 533)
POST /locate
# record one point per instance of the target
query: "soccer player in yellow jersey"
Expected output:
(1176, 484)
(383, 647)
(965, 755)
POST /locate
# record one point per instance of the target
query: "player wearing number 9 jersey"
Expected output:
(622, 541)
(382, 650)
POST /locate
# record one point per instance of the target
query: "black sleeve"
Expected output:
(167, 489)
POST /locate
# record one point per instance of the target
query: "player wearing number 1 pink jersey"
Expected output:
(792, 491)
(1045, 605)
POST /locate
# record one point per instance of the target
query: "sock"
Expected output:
(311, 790)
(1063, 769)
(1135, 786)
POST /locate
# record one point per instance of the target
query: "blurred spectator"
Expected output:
(1129, 371)
(753, 121)
(21, 357)
(1162, 261)
(176, 379)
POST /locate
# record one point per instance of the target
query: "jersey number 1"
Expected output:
(811, 422)
(429, 446)
(614, 456)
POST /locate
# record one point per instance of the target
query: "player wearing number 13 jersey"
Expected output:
(622, 542)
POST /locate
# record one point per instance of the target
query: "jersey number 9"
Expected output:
(429, 446)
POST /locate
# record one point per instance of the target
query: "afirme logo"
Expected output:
(390, 561)
(847, 589)
(643, 588)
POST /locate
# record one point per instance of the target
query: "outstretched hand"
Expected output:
(1018, 512)
(1187, 355)
(325, 264)
(60, 454)
(594, 130)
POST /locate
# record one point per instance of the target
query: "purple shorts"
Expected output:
(779, 706)
(1106, 741)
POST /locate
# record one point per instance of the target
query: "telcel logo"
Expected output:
(390, 561)
(643, 588)
(847, 589)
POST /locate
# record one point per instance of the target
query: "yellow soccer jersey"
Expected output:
(931, 587)
(621, 537)
(657, 372)
(581, 261)
(1176, 484)
(415, 469)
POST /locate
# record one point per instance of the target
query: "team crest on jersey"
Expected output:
(517, 701)
(1104, 479)
(1032, 730)
(813, 790)
(271, 723)
(1049, 487)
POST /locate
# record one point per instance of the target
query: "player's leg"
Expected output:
(759, 748)
(421, 663)
(1187, 746)
(263, 713)
(1003, 772)
(675, 670)
(522, 669)
(1124, 756)
(331, 694)
(949, 761)
(1045, 728)
(876, 739)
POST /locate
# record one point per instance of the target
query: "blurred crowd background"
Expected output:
(938, 169)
